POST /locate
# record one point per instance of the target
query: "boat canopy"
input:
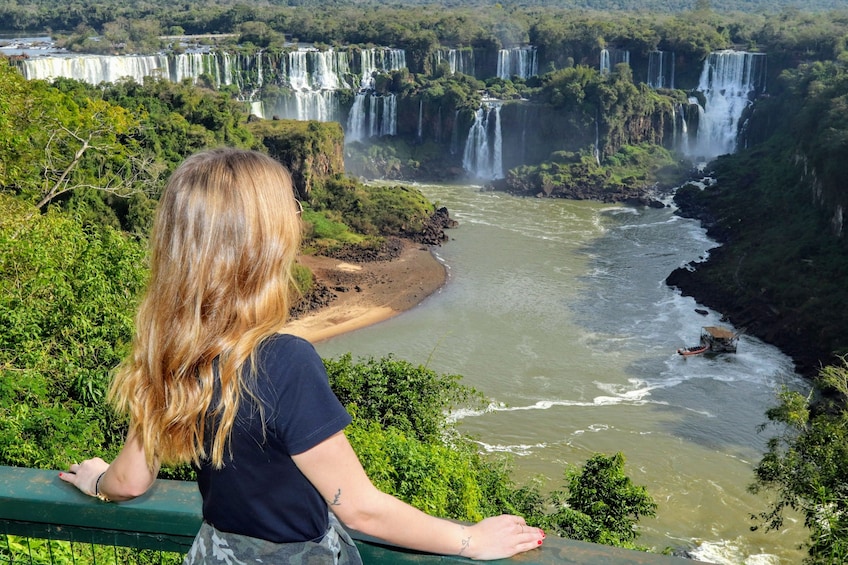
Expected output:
(719, 333)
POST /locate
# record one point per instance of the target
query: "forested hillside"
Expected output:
(66, 15)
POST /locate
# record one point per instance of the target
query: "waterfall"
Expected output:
(518, 61)
(458, 60)
(596, 148)
(680, 128)
(611, 57)
(95, 69)
(310, 78)
(379, 60)
(729, 81)
(310, 70)
(661, 69)
(219, 68)
(356, 124)
(371, 115)
(321, 105)
(419, 133)
(483, 157)
(388, 119)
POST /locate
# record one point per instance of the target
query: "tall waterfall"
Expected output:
(729, 82)
(371, 115)
(483, 154)
(661, 69)
(379, 60)
(518, 61)
(313, 78)
(610, 57)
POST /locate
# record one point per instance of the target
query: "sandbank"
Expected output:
(368, 292)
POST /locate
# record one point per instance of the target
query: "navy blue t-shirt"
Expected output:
(259, 491)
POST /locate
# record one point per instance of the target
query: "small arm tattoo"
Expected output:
(337, 499)
(466, 542)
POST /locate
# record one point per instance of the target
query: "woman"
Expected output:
(211, 380)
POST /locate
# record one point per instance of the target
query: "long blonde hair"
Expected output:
(226, 234)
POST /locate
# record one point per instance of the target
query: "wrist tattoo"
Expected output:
(337, 499)
(465, 542)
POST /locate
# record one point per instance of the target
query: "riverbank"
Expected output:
(362, 293)
(779, 272)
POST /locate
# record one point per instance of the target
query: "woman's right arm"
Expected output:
(334, 469)
(127, 477)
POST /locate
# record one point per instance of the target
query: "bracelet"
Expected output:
(97, 492)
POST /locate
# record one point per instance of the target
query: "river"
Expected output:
(557, 310)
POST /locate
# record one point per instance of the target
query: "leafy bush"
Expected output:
(600, 503)
(396, 393)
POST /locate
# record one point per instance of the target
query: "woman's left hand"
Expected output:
(84, 475)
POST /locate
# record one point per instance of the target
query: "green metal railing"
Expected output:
(36, 505)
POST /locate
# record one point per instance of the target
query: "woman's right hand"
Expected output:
(502, 536)
(84, 475)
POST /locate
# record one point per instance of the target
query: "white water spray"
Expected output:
(729, 82)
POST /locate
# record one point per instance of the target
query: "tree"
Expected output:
(56, 141)
(806, 465)
(600, 504)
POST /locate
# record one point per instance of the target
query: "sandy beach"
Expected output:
(368, 292)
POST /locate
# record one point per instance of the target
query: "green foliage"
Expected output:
(601, 503)
(392, 392)
(806, 465)
(343, 210)
(409, 450)
(435, 477)
(66, 300)
(626, 174)
(36, 551)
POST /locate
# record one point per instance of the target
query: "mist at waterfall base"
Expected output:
(558, 311)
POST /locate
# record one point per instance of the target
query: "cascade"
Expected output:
(388, 121)
(596, 147)
(310, 70)
(313, 77)
(729, 81)
(661, 69)
(611, 57)
(483, 157)
(680, 128)
(459, 61)
(371, 115)
(518, 61)
(379, 60)
(419, 131)
(356, 123)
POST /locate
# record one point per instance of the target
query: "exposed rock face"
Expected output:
(434, 230)
(310, 150)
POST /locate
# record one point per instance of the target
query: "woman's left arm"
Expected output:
(127, 477)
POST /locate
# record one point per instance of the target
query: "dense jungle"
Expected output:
(81, 165)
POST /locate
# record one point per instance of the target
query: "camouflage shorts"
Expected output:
(214, 547)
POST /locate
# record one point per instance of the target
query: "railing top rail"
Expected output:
(36, 500)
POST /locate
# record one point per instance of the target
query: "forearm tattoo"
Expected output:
(466, 542)
(337, 499)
